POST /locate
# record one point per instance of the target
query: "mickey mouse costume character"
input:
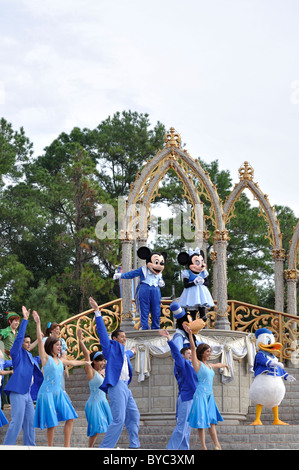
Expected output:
(148, 294)
(196, 295)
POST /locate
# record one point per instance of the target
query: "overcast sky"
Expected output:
(223, 73)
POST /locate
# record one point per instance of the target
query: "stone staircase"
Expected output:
(155, 431)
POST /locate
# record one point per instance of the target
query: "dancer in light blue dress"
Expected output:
(53, 404)
(97, 408)
(204, 413)
(53, 329)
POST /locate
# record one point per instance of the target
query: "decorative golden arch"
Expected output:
(246, 173)
(267, 211)
(293, 258)
(292, 273)
(196, 182)
(144, 189)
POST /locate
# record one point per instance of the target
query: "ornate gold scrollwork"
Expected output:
(221, 235)
(246, 172)
(278, 254)
(172, 138)
(243, 317)
(292, 274)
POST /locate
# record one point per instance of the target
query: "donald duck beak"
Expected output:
(272, 348)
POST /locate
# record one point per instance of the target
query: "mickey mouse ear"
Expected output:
(143, 252)
(183, 258)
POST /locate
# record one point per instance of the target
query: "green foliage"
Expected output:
(123, 144)
(15, 150)
(51, 258)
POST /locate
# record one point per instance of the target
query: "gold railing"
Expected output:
(111, 312)
(249, 318)
(242, 316)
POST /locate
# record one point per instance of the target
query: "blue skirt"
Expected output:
(52, 408)
(98, 415)
(204, 411)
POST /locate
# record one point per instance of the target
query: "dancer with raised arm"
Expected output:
(187, 383)
(97, 409)
(53, 404)
(118, 375)
(22, 387)
(204, 413)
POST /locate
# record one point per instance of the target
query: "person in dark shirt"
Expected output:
(187, 383)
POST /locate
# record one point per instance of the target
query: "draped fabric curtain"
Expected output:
(223, 351)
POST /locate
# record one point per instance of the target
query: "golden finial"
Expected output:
(172, 138)
(246, 172)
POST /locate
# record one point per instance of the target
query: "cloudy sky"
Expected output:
(223, 73)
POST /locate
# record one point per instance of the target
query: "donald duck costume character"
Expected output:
(267, 388)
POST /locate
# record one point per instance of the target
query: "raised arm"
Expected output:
(176, 355)
(82, 345)
(18, 342)
(101, 329)
(88, 368)
(32, 345)
(195, 362)
(41, 349)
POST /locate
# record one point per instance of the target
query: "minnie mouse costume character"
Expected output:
(196, 295)
(148, 294)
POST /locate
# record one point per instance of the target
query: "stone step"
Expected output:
(155, 431)
(154, 434)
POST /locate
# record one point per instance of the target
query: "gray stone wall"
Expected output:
(157, 394)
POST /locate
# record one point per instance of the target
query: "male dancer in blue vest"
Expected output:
(118, 375)
(187, 383)
(23, 387)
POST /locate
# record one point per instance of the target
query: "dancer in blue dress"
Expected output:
(53, 404)
(204, 412)
(97, 408)
(53, 329)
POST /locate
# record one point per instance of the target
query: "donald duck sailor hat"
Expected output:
(262, 331)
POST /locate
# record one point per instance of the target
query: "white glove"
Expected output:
(198, 281)
(290, 378)
(116, 276)
(276, 364)
(161, 283)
